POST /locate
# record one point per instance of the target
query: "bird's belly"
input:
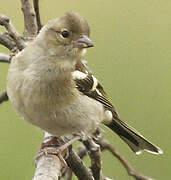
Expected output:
(82, 114)
(53, 113)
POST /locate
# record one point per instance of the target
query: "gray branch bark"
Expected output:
(6, 40)
(30, 22)
(36, 8)
(78, 166)
(48, 167)
(95, 156)
(18, 39)
(4, 58)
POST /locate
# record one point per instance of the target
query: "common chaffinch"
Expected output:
(52, 88)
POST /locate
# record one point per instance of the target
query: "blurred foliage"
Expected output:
(131, 57)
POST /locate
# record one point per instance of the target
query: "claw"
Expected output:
(56, 146)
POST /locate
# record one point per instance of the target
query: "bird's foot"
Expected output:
(53, 146)
(56, 146)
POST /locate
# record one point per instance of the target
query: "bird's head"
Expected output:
(67, 36)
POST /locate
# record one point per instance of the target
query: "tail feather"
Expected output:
(134, 139)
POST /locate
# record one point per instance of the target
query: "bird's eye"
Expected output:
(65, 33)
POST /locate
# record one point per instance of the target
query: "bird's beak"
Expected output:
(83, 42)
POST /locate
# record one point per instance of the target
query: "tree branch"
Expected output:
(105, 145)
(36, 9)
(6, 40)
(95, 155)
(3, 97)
(30, 23)
(48, 166)
(67, 174)
(82, 152)
(78, 166)
(5, 21)
(4, 58)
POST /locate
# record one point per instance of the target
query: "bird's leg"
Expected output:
(57, 146)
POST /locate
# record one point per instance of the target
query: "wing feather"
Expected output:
(90, 86)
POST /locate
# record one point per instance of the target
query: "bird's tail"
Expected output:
(134, 139)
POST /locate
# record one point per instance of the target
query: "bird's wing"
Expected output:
(89, 85)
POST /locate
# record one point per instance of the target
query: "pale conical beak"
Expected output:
(83, 42)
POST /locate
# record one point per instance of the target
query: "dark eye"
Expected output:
(65, 33)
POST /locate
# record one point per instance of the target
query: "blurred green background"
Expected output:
(132, 58)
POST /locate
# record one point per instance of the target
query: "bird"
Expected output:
(51, 86)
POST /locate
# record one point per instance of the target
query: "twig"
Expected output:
(82, 152)
(78, 167)
(3, 97)
(67, 174)
(29, 18)
(105, 145)
(95, 156)
(5, 21)
(106, 178)
(36, 9)
(4, 58)
(6, 40)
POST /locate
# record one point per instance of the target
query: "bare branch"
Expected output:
(48, 168)
(4, 58)
(3, 97)
(82, 152)
(78, 167)
(5, 21)
(67, 174)
(105, 145)
(51, 143)
(95, 155)
(106, 178)
(36, 9)
(29, 18)
(6, 40)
